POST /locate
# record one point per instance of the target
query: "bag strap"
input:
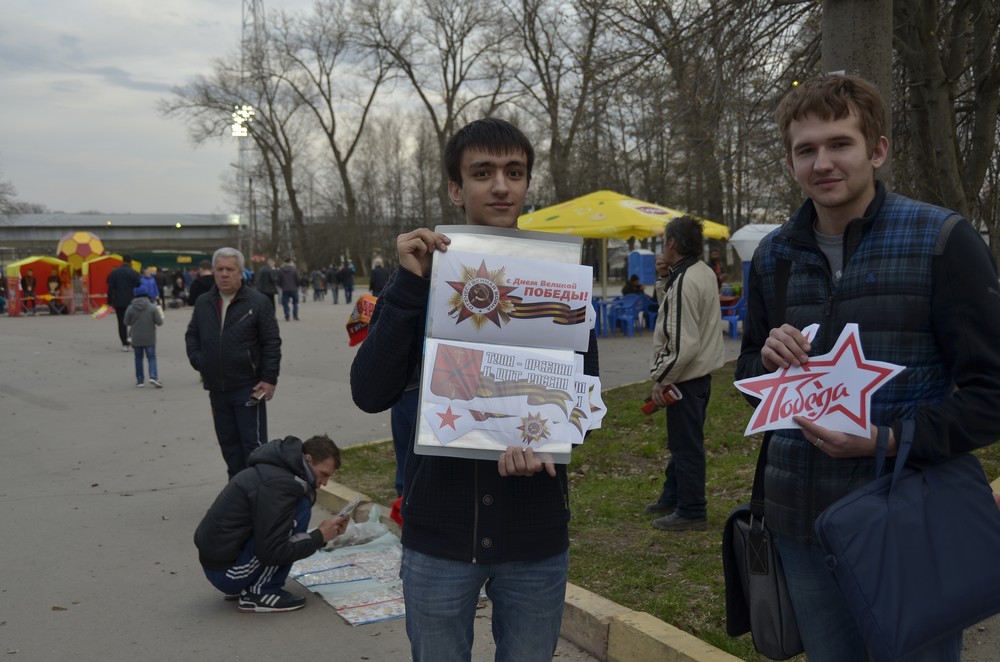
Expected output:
(905, 444)
(881, 448)
(757, 493)
(782, 268)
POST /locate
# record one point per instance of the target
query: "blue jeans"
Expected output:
(684, 483)
(150, 353)
(294, 298)
(441, 597)
(248, 574)
(403, 419)
(240, 429)
(829, 632)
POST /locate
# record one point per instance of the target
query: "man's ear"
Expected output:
(455, 193)
(881, 152)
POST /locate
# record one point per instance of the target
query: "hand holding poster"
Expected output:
(833, 390)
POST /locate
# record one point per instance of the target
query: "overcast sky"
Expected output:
(79, 82)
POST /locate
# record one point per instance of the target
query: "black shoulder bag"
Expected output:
(756, 594)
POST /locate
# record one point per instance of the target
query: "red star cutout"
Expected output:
(820, 389)
(448, 418)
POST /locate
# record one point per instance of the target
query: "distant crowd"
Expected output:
(288, 279)
(182, 287)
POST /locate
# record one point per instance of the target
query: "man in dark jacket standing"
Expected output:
(266, 281)
(202, 283)
(346, 278)
(233, 341)
(288, 279)
(333, 282)
(468, 522)
(378, 277)
(256, 528)
(122, 282)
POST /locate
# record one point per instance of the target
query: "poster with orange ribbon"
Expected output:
(510, 300)
(507, 313)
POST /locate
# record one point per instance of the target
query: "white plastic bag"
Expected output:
(358, 534)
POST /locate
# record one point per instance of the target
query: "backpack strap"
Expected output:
(782, 269)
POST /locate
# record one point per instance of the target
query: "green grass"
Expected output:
(614, 552)
(371, 470)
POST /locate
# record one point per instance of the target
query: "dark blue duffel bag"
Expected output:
(916, 552)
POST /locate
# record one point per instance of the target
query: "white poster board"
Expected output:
(507, 309)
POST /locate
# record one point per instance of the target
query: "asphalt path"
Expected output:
(102, 485)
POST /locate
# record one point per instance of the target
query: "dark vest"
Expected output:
(885, 288)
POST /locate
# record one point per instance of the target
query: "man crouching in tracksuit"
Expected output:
(256, 528)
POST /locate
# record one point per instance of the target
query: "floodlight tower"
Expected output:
(251, 49)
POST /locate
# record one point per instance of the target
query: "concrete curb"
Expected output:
(606, 630)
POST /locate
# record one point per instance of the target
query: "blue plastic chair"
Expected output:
(733, 315)
(651, 311)
(626, 314)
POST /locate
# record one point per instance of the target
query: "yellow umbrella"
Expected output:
(608, 215)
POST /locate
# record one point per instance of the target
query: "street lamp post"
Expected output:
(242, 117)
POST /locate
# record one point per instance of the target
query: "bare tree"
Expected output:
(208, 102)
(11, 206)
(949, 54)
(8, 205)
(273, 244)
(320, 60)
(381, 173)
(564, 56)
(453, 54)
(669, 100)
(697, 95)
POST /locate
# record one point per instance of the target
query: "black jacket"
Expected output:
(247, 350)
(122, 282)
(346, 277)
(199, 286)
(260, 501)
(266, 282)
(288, 278)
(377, 280)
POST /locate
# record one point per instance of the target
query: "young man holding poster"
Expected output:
(921, 285)
(467, 522)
